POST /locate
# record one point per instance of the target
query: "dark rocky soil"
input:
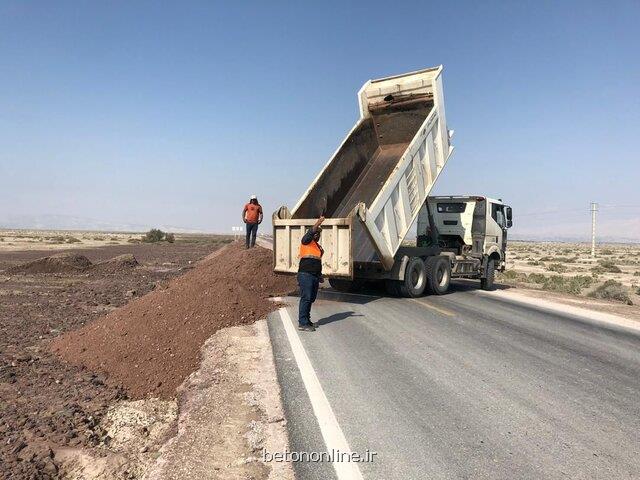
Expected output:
(45, 402)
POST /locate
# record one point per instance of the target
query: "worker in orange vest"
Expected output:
(309, 274)
(252, 217)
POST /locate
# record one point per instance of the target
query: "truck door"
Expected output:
(499, 217)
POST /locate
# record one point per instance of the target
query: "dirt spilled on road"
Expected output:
(153, 343)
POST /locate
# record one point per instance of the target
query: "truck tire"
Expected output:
(487, 283)
(415, 278)
(438, 274)
(344, 285)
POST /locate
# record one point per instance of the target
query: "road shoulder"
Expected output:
(598, 311)
(230, 410)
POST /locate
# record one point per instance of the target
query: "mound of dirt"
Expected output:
(60, 263)
(117, 264)
(152, 344)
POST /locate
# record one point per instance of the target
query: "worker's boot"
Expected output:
(307, 328)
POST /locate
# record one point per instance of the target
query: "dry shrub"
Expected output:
(572, 285)
(606, 266)
(555, 283)
(153, 236)
(557, 267)
(538, 278)
(612, 290)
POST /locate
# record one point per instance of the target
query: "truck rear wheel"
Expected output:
(415, 278)
(344, 285)
(438, 274)
(487, 283)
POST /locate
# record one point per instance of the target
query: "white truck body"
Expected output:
(376, 182)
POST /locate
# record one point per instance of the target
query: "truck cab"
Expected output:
(469, 226)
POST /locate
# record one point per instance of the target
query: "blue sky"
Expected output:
(174, 113)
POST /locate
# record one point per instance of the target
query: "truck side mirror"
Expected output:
(509, 217)
(509, 223)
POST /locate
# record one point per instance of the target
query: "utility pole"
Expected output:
(594, 209)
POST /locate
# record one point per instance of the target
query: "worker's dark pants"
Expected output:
(308, 283)
(252, 231)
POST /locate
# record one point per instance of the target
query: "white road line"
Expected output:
(334, 439)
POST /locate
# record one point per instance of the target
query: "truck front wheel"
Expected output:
(487, 282)
(438, 274)
(415, 278)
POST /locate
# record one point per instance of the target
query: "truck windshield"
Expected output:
(451, 207)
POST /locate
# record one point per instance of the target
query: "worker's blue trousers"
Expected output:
(308, 284)
(252, 231)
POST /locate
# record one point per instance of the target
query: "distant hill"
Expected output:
(68, 222)
(573, 239)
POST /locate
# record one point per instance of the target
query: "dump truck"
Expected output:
(376, 186)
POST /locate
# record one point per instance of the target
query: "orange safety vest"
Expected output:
(310, 250)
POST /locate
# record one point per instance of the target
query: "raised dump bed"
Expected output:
(373, 186)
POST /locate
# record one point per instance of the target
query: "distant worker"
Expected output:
(252, 217)
(309, 274)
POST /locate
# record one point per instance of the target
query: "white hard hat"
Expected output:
(253, 197)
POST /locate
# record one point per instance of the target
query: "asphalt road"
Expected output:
(464, 386)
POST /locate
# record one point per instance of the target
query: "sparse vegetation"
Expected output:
(555, 283)
(573, 285)
(612, 290)
(537, 278)
(170, 237)
(556, 267)
(606, 266)
(565, 259)
(72, 240)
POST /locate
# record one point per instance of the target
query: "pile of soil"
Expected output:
(117, 264)
(60, 263)
(152, 344)
(46, 403)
